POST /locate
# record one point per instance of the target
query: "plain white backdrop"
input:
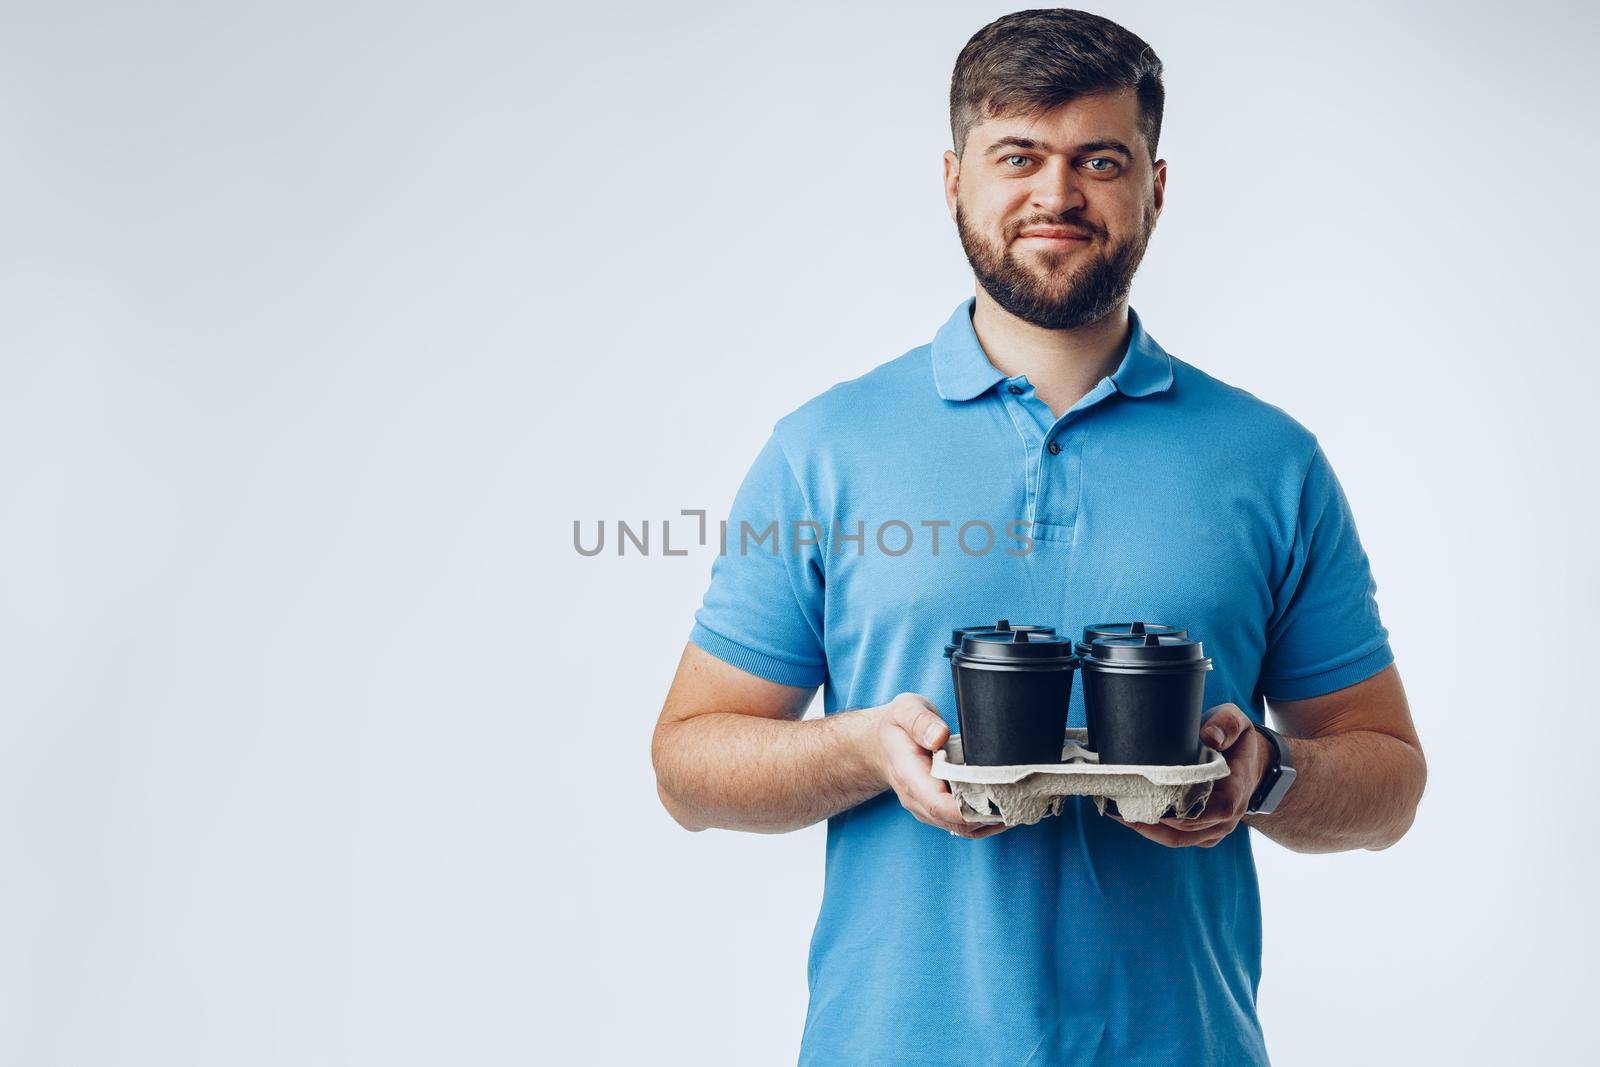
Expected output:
(321, 323)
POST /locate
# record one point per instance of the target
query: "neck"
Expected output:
(1062, 365)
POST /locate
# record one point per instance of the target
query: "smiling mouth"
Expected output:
(1055, 237)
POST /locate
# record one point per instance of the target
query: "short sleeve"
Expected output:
(1325, 633)
(763, 610)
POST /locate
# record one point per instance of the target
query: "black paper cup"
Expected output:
(1013, 689)
(1143, 699)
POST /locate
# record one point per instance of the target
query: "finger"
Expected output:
(948, 810)
(1223, 726)
(941, 804)
(958, 827)
(920, 720)
(926, 797)
(1203, 836)
(947, 814)
(905, 751)
(1196, 825)
(1161, 835)
(1219, 808)
(913, 766)
(1140, 829)
(1224, 807)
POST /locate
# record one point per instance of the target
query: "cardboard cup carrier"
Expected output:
(1014, 761)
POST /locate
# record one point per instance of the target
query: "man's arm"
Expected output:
(1359, 768)
(1359, 772)
(731, 751)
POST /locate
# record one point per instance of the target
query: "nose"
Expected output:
(1057, 188)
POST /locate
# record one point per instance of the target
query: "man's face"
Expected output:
(1054, 212)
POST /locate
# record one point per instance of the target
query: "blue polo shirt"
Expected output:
(1163, 495)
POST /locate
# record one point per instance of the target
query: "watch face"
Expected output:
(1275, 794)
(1275, 783)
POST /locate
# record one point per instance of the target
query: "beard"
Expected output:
(1055, 299)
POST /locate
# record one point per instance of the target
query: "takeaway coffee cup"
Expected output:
(1013, 687)
(1003, 626)
(1091, 634)
(1143, 698)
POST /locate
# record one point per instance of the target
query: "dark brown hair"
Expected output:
(1028, 62)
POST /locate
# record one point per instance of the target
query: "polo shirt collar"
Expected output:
(1146, 369)
(961, 370)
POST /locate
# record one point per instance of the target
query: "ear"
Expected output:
(1158, 189)
(952, 181)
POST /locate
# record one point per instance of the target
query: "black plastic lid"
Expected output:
(1017, 646)
(1095, 633)
(1003, 626)
(1151, 650)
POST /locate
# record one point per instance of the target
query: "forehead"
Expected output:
(1085, 119)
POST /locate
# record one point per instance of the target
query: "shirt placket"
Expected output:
(1016, 395)
(1053, 455)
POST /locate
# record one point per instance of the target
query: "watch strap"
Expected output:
(1278, 777)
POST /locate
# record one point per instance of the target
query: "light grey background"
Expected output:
(321, 323)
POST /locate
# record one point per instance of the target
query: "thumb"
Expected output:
(922, 724)
(1223, 726)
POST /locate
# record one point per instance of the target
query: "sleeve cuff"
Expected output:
(784, 672)
(1323, 682)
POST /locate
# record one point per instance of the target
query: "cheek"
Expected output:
(996, 204)
(992, 225)
(988, 214)
(1120, 206)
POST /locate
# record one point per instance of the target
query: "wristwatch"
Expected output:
(1278, 777)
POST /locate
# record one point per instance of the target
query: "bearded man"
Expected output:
(1149, 490)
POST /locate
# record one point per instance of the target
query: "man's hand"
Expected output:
(1229, 731)
(909, 730)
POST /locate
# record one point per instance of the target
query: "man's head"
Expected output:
(1054, 183)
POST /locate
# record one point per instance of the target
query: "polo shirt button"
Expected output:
(1055, 448)
(1014, 390)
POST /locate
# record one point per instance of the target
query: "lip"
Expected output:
(1063, 236)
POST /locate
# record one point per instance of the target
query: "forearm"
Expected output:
(1357, 789)
(743, 772)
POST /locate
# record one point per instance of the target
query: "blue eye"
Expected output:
(1110, 164)
(1010, 158)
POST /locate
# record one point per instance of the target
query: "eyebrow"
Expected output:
(1090, 146)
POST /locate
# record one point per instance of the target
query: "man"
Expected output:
(1152, 491)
